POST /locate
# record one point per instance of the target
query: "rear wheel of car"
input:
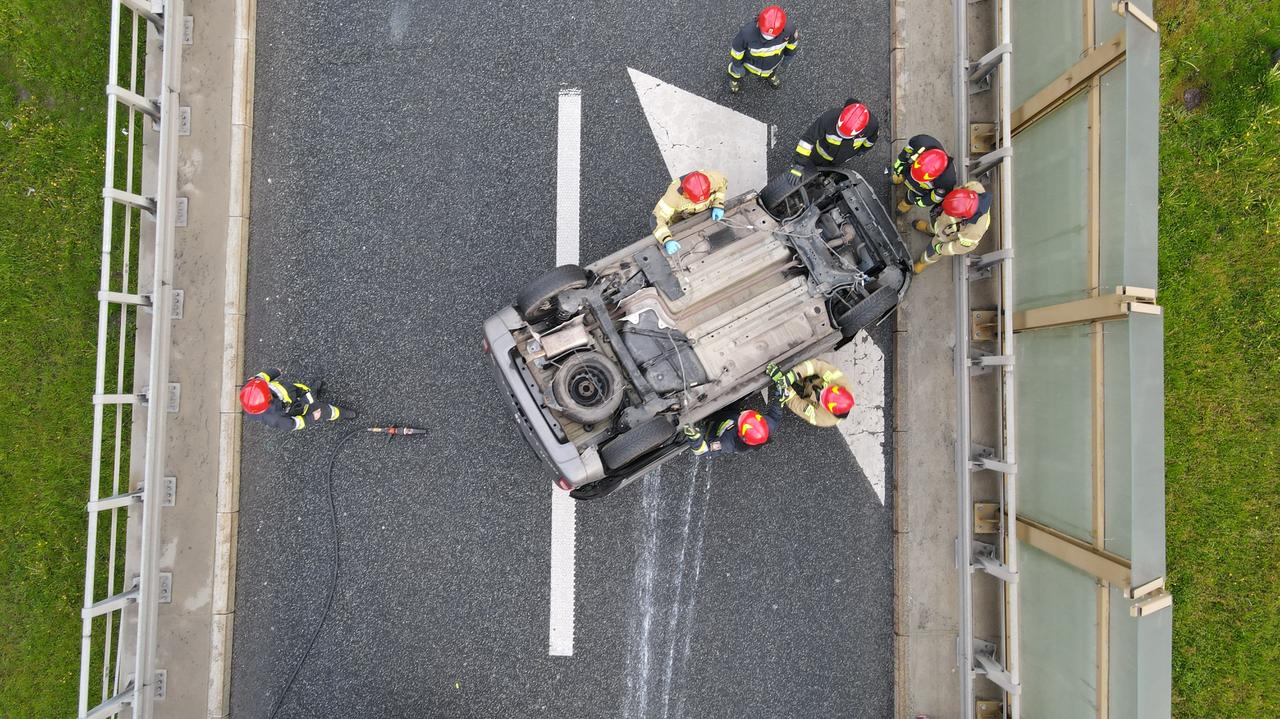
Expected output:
(636, 442)
(588, 387)
(868, 311)
(537, 300)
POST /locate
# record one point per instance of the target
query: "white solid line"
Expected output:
(563, 507)
(568, 175)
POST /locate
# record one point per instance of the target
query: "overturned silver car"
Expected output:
(603, 363)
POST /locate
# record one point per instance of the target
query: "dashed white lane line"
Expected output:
(563, 509)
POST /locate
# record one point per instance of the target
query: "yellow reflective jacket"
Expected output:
(674, 206)
(812, 376)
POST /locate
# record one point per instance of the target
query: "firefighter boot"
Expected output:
(735, 85)
(896, 179)
(921, 225)
(775, 80)
(904, 207)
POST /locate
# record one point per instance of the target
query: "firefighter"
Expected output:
(965, 217)
(838, 135)
(283, 404)
(688, 195)
(927, 171)
(735, 429)
(763, 49)
(813, 392)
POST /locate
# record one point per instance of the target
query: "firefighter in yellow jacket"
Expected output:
(965, 217)
(813, 392)
(698, 191)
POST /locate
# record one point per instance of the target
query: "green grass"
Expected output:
(53, 67)
(1220, 287)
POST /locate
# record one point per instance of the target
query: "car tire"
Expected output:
(636, 442)
(868, 311)
(891, 276)
(588, 387)
(536, 300)
(774, 196)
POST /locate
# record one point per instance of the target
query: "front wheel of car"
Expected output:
(537, 300)
(868, 311)
(636, 442)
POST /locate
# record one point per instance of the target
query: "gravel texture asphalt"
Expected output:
(403, 189)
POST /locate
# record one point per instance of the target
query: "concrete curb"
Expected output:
(228, 516)
(926, 590)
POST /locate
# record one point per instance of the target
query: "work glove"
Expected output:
(717, 214)
(774, 371)
(671, 247)
(795, 175)
(780, 392)
(693, 438)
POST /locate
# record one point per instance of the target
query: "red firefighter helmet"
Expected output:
(255, 396)
(696, 186)
(771, 21)
(929, 165)
(752, 428)
(961, 203)
(853, 120)
(837, 400)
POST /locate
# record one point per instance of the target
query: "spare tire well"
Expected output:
(588, 386)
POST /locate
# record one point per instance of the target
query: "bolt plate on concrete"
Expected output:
(179, 301)
(986, 517)
(169, 496)
(986, 709)
(982, 138)
(162, 678)
(180, 213)
(174, 399)
(982, 325)
(166, 587)
(188, 30)
(184, 121)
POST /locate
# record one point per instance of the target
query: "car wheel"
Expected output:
(868, 311)
(891, 276)
(537, 300)
(781, 199)
(636, 442)
(588, 387)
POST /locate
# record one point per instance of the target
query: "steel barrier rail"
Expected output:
(998, 662)
(140, 596)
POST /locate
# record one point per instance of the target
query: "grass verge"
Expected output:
(1220, 287)
(53, 66)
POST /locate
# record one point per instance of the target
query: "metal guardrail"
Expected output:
(130, 604)
(998, 662)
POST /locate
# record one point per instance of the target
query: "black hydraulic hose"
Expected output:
(337, 556)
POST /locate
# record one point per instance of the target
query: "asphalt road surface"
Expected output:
(404, 187)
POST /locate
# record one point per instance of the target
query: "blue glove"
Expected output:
(671, 247)
(717, 214)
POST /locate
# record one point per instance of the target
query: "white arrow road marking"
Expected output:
(695, 133)
(563, 507)
(862, 362)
